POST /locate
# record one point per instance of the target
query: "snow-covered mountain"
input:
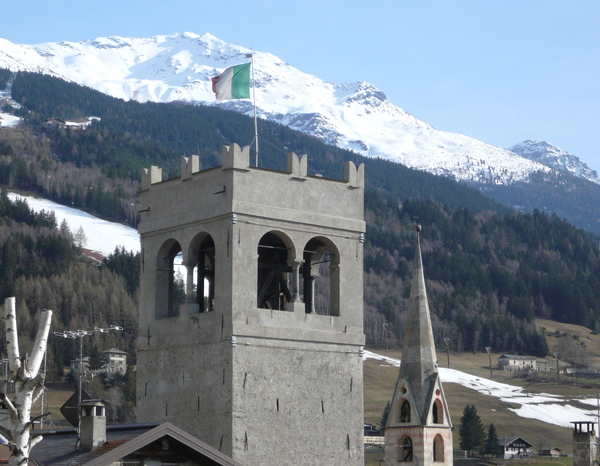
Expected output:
(554, 157)
(353, 116)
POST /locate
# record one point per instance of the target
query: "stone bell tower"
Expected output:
(419, 429)
(251, 319)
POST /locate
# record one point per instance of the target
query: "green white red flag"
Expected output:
(233, 83)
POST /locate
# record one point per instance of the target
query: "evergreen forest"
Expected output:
(490, 270)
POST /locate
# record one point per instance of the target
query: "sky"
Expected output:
(499, 71)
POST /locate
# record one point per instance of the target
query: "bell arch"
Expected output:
(320, 277)
(201, 266)
(169, 284)
(274, 276)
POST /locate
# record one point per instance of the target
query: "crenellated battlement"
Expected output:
(235, 157)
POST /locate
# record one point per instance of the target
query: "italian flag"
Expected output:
(233, 83)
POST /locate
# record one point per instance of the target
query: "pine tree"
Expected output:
(471, 431)
(384, 417)
(492, 446)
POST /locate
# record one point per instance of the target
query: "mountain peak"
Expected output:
(545, 153)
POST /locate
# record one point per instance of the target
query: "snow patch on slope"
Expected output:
(553, 409)
(102, 236)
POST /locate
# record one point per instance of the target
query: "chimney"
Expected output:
(584, 443)
(93, 424)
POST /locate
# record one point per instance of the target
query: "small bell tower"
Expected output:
(419, 429)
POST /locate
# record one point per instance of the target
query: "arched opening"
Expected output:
(170, 283)
(438, 448)
(437, 412)
(204, 275)
(405, 411)
(406, 450)
(274, 273)
(319, 277)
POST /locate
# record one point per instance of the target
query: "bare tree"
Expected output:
(25, 372)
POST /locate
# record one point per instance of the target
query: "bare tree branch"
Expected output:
(35, 440)
(30, 423)
(39, 348)
(6, 433)
(9, 406)
(12, 342)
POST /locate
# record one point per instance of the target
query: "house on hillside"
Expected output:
(76, 363)
(514, 448)
(513, 362)
(114, 361)
(549, 451)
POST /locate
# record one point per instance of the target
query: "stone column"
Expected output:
(295, 291)
(189, 283)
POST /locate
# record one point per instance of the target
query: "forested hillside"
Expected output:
(490, 271)
(41, 265)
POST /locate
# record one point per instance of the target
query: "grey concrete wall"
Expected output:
(304, 404)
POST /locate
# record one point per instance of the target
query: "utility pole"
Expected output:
(73, 334)
(385, 329)
(489, 352)
(447, 341)
(556, 355)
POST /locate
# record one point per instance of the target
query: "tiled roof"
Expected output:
(58, 447)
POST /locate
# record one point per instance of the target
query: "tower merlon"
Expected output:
(189, 166)
(297, 165)
(353, 176)
(235, 157)
(151, 176)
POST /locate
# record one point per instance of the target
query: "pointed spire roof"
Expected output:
(419, 360)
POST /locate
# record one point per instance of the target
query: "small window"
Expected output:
(405, 411)
(438, 448)
(406, 450)
(437, 412)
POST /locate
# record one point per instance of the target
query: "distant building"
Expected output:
(549, 451)
(75, 364)
(513, 362)
(114, 360)
(514, 448)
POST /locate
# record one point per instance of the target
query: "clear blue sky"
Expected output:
(499, 71)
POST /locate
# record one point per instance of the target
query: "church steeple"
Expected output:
(419, 429)
(419, 360)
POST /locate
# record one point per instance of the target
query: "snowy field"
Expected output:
(8, 120)
(101, 236)
(545, 407)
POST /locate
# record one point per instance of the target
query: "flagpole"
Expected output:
(251, 56)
